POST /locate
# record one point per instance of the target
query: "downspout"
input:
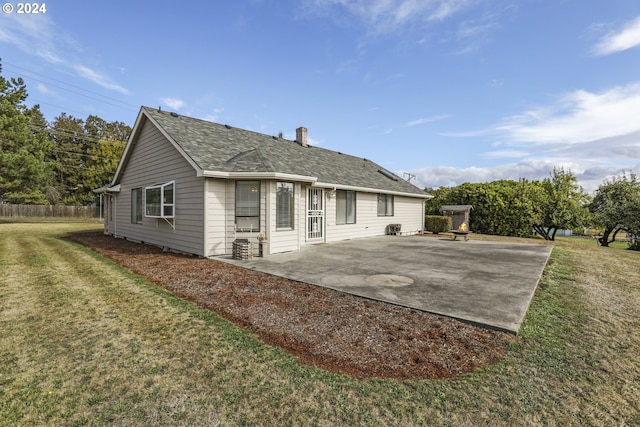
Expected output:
(267, 211)
(422, 218)
(205, 231)
(226, 208)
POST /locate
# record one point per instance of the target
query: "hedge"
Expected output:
(437, 223)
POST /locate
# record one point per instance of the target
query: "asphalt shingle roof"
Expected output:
(222, 148)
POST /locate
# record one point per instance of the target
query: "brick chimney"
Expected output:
(301, 136)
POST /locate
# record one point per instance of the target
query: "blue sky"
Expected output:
(447, 90)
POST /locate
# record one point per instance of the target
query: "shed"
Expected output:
(459, 215)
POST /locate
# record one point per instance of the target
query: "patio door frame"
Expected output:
(315, 221)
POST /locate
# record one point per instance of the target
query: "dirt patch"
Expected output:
(335, 331)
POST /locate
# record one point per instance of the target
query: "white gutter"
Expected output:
(302, 178)
(258, 175)
(105, 189)
(371, 190)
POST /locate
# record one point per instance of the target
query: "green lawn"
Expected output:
(85, 342)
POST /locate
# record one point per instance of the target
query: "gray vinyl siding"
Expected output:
(154, 160)
(407, 212)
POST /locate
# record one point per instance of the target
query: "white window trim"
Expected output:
(346, 206)
(291, 207)
(137, 205)
(386, 212)
(251, 229)
(162, 202)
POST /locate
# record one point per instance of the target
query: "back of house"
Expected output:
(196, 186)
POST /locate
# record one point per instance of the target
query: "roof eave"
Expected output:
(107, 189)
(258, 175)
(372, 190)
(127, 148)
(137, 128)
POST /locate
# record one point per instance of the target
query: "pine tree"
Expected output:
(25, 174)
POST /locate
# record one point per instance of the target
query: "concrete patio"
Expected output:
(485, 283)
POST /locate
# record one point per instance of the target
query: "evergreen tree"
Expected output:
(25, 175)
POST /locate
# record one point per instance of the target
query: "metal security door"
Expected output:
(315, 214)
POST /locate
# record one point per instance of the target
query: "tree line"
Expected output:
(524, 208)
(61, 162)
(58, 162)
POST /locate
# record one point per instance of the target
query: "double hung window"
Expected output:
(284, 206)
(248, 206)
(385, 205)
(345, 207)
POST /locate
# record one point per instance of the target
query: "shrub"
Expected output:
(437, 223)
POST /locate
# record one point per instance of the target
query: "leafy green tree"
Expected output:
(503, 207)
(61, 162)
(69, 155)
(25, 174)
(86, 154)
(517, 208)
(102, 162)
(616, 207)
(97, 128)
(634, 226)
(564, 204)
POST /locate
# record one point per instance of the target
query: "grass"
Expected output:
(41, 219)
(86, 342)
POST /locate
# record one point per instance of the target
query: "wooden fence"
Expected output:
(48, 211)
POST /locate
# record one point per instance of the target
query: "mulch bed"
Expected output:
(338, 332)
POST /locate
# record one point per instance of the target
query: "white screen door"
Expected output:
(315, 214)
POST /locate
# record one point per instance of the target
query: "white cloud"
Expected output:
(626, 38)
(502, 154)
(449, 176)
(99, 79)
(473, 29)
(425, 120)
(174, 103)
(382, 16)
(214, 116)
(34, 35)
(473, 34)
(531, 169)
(40, 36)
(577, 117)
(443, 8)
(49, 56)
(43, 89)
(594, 135)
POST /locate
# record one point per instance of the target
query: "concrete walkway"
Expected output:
(486, 283)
